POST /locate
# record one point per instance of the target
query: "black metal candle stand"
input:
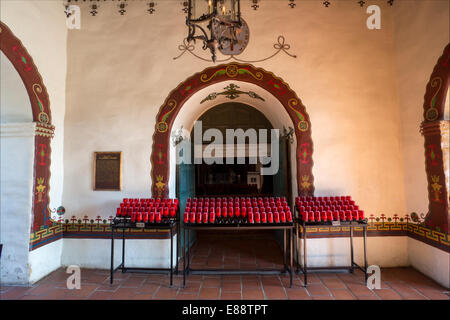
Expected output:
(124, 223)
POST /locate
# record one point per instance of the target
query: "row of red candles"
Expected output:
(283, 199)
(324, 216)
(325, 203)
(326, 198)
(149, 217)
(149, 200)
(129, 212)
(256, 217)
(236, 211)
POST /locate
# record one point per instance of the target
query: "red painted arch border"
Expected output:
(160, 161)
(14, 50)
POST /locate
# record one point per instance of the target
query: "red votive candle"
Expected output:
(361, 215)
(330, 216)
(199, 217)
(289, 216)
(158, 218)
(355, 215)
(283, 216)
(145, 217)
(151, 217)
(264, 217)
(237, 212)
(231, 212)
(342, 215)
(205, 217)
(224, 212)
(118, 212)
(192, 217)
(172, 212)
(218, 212)
(212, 217)
(276, 217)
(257, 217)
(304, 216)
(244, 212)
(317, 216)
(186, 217)
(323, 216)
(250, 217)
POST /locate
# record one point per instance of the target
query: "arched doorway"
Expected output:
(285, 102)
(436, 131)
(226, 178)
(26, 135)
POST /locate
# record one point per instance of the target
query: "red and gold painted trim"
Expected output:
(435, 130)
(233, 71)
(14, 50)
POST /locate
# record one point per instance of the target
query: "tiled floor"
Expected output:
(232, 252)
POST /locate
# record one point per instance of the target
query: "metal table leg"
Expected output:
(123, 250)
(171, 256)
(365, 252)
(297, 247)
(291, 270)
(284, 250)
(305, 266)
(184, 258)
(351, 249)
(111, 276)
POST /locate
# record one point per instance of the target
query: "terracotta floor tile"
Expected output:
(231, 286)
(108, 287)
(360, 290)
(209, 293)
(143, 296)
(252, 294)
(148, 288)
(333, 283)
(298, 294)
(57, 294)
(274, 293)
(322, 298)
(407, 292)
(187, 296)
(211, 283)
(342, 294)
(123, 294)
(388, 294)
(100, 295)
(84, 291)
(133, 282)
(166, 293)
(41, 289)
(14, 293)
(434, 294)
(231, 296)
(316, 289)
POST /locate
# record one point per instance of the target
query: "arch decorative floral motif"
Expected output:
(14, 50)
(241, 72)
(435, 130)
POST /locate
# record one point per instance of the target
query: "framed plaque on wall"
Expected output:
(108, 171)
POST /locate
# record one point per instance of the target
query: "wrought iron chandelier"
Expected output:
(218, 24)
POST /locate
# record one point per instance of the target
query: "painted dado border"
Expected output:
(160, 161)
(14, 50)
(102, 230)
(435, 130)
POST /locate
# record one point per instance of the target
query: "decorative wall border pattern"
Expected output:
(435, 130)
(102, 230)
(160, 168)
(14, 50)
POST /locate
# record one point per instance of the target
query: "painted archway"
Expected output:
(435, 129)
(16, 53)
(240, 72)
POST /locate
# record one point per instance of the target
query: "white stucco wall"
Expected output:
(431, 261)
(16, 191)
(347, 85)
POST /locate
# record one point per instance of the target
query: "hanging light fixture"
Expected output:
(218, 24)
